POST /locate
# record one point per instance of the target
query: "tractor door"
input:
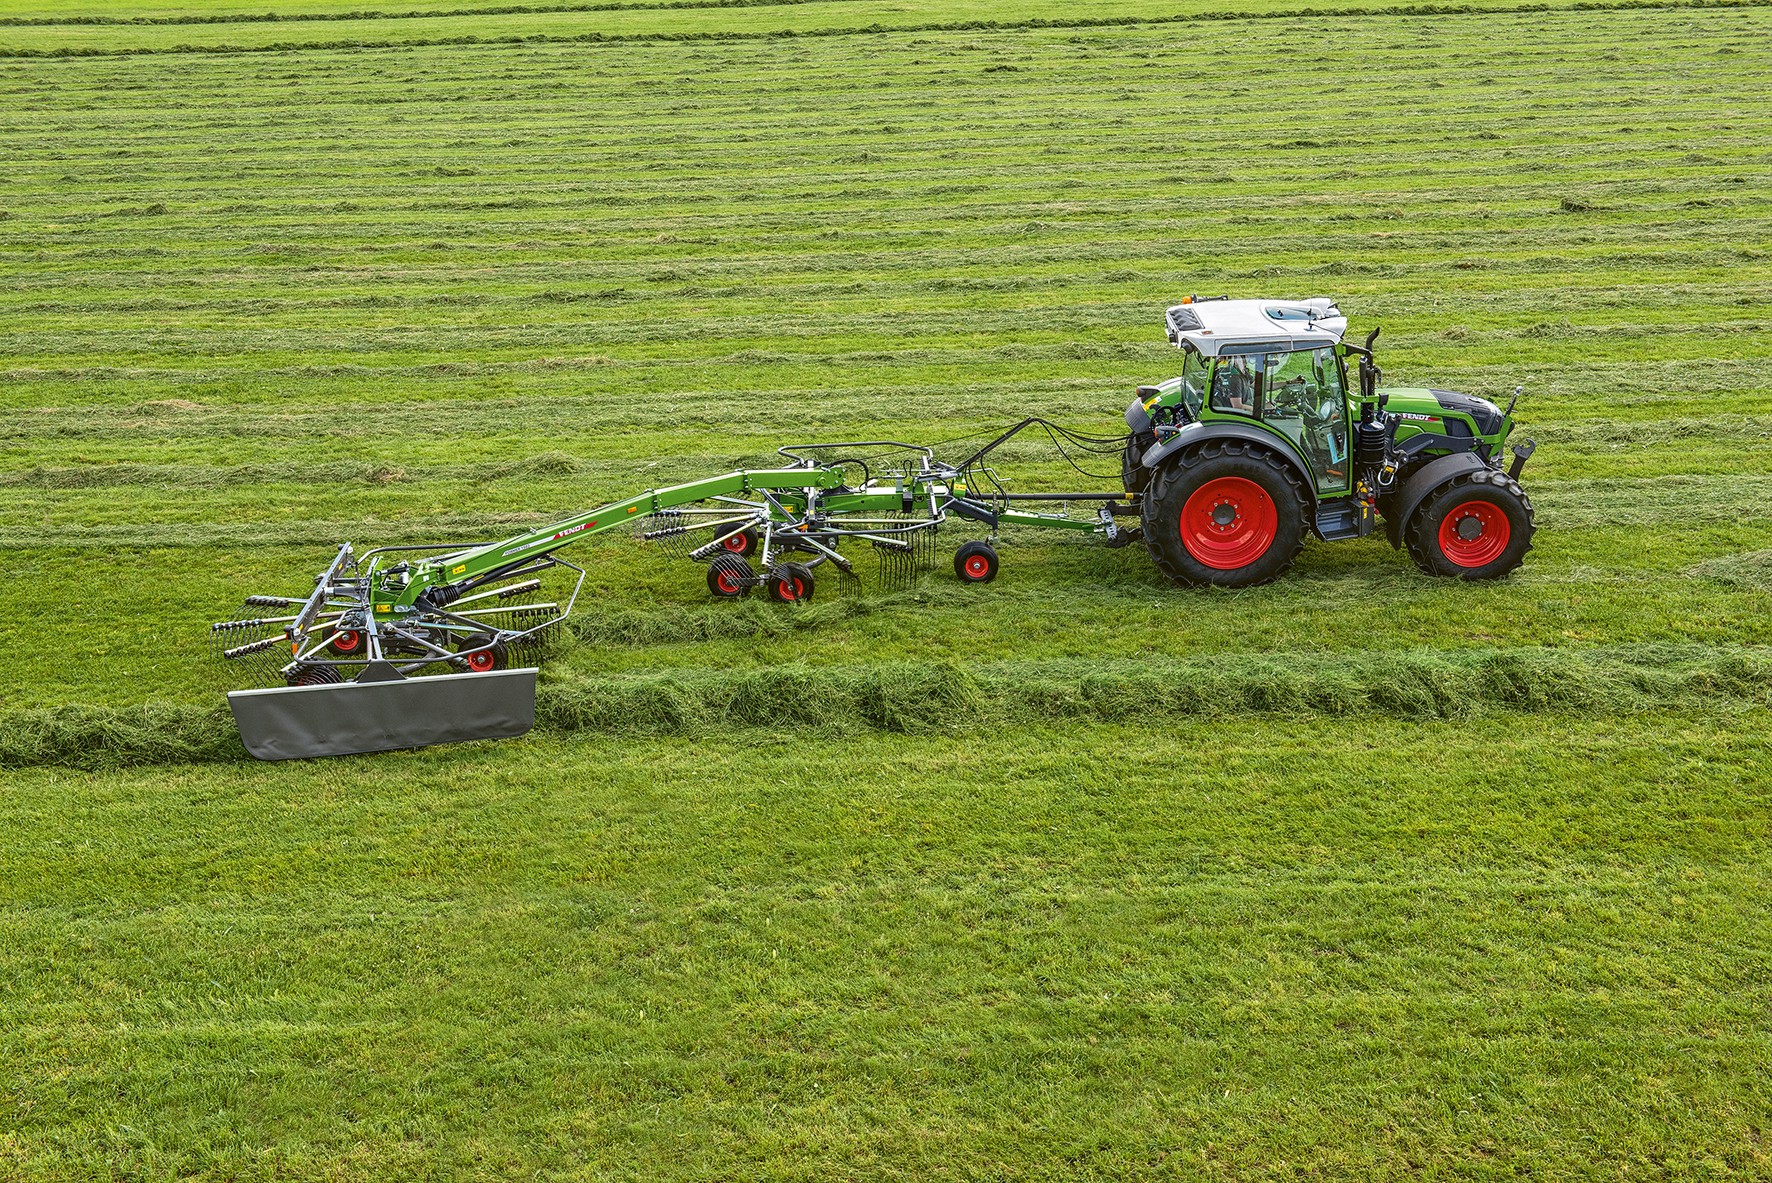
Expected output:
(1304, 400)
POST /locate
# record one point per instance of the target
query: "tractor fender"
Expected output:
(1198, 433)
(1137, 418)
(1421, 482)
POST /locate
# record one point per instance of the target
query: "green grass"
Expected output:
(1495, 948)
(1361, 874)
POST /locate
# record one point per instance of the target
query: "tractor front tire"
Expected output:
(1478, 525)
(1225, 514)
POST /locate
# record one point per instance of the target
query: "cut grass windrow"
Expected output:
(942, 697)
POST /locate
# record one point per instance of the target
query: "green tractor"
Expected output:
(1263, 440)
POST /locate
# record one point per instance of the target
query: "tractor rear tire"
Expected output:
(1478, 525)
(1225, 514)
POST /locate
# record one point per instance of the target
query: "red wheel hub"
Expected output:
(482, 661)
(792, 589)
(728, 582)
(347, 642)
(1229, 523)
(977, 566)
(736, 544)
(1474, 534)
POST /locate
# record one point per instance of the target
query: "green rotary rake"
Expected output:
(407, 646)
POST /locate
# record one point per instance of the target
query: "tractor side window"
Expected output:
(1236, 383)
(1304, 399)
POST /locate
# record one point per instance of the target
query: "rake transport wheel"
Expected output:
(743, 543)
(790, 583)
(487, 659)
(730, 577)
(1478, 525)
(976, 562)
(348, 643)
(1226, 514)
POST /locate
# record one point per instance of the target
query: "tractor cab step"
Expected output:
(1342, 518)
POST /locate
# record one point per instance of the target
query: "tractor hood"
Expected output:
(1428, 408)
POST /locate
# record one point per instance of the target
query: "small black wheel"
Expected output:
(486, 654)
(730, 577)
(743, 544)
(790, 583)
(314, 675)
(976, 562)
(1478, 525)
(348, 643)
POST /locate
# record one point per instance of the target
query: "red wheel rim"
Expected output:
(347, 642)
(792, 589)
(727, 582)
(977, 566)
(736, 544)
(482, 661)
(1474, 534)
(1229, 523)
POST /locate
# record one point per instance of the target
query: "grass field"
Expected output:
(1361, 874)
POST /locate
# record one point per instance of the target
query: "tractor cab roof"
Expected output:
(1217, 326)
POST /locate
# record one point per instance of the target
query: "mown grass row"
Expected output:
(364, 14)
(1595, 449)
(1391, 259)
(942, 697)
(409, 513)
